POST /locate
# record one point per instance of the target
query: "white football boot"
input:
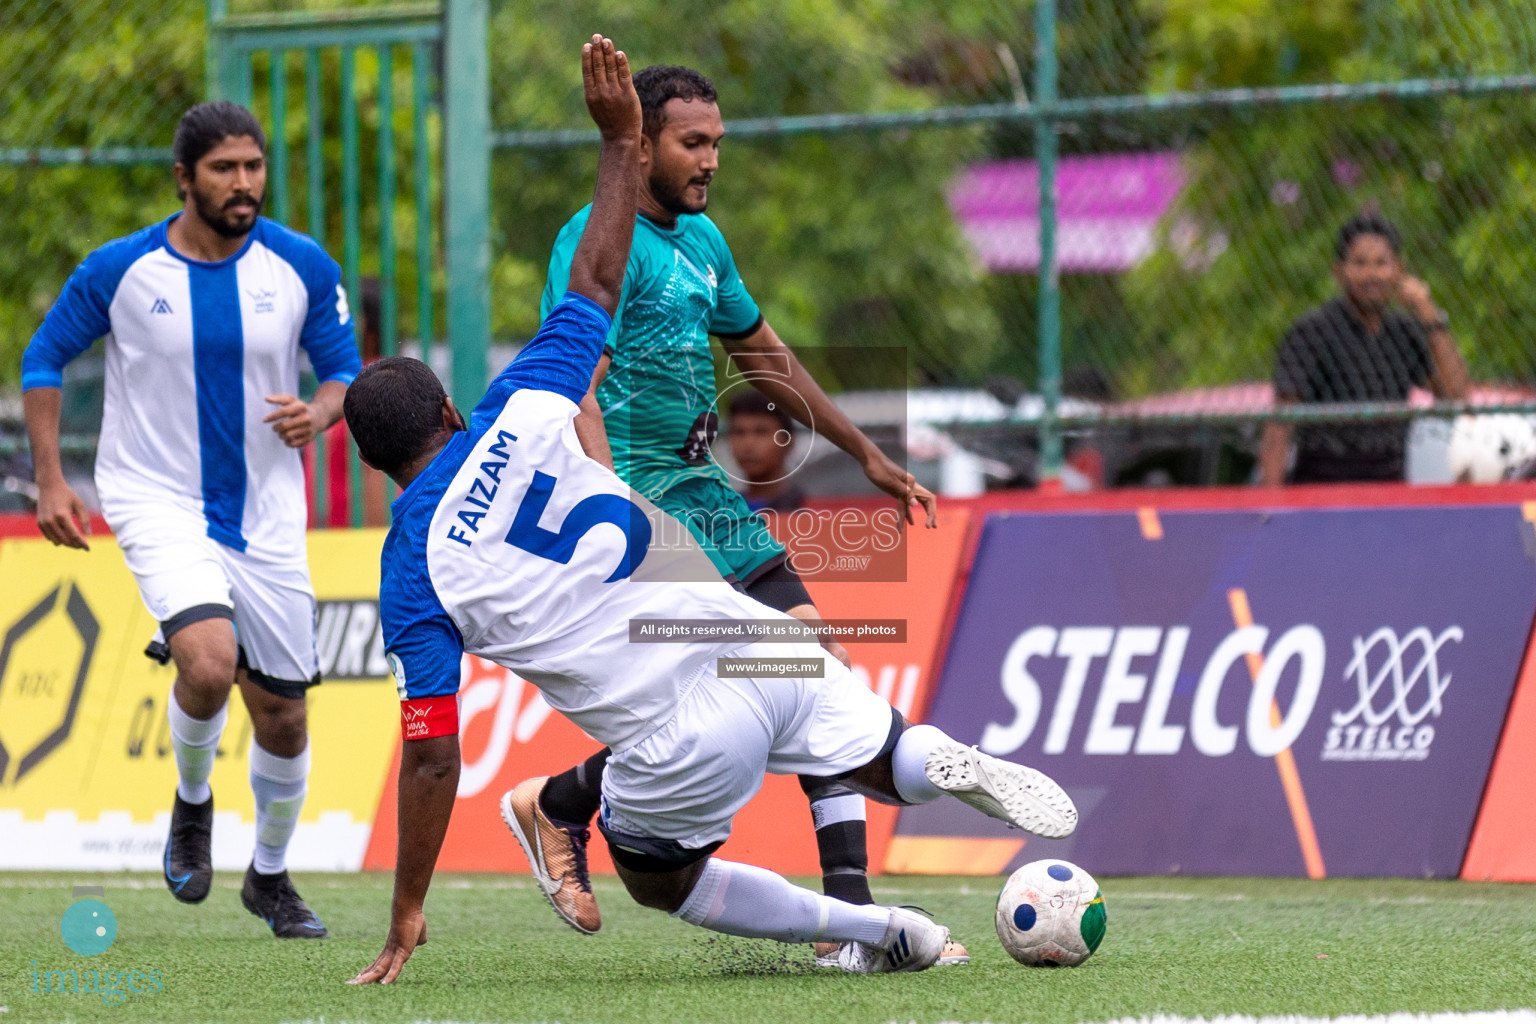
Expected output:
(911, 942)
(829, 954)
(1020, 796)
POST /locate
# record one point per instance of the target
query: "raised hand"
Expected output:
(597, 267)
(1414, 295)
(611, 97)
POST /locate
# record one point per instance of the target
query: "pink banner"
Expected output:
(1107, 210)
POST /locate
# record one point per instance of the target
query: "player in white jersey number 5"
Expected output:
(199, 473)
(510, 543)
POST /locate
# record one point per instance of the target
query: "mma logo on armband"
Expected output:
(423, 718)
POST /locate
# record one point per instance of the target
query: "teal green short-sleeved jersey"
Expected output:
(658, 399)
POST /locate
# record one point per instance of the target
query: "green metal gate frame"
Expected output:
(459, 27)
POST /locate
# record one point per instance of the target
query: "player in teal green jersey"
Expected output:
(659, 386)
(650, 414)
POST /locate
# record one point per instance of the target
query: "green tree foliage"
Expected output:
(77, 74)
(844, 240)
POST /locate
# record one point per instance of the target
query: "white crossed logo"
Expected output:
(1404, 680)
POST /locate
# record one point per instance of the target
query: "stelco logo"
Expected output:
(1398, 686)
(1396, 730)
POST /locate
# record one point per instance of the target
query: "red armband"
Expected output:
(423, 718)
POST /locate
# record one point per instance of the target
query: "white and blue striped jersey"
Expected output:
(192, 351)
(515, 546)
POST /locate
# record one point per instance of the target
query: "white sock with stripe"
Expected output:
(195, 742)
(739, 899)
(279, 784)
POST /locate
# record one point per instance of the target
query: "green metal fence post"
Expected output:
(314, 175)
(237, 65)
(467, 194)
(421, 182)
(1049, 296)
(214, 55)
(351, 201)
(388, 306)
(314, 156)
(277, 180)
(351, 240)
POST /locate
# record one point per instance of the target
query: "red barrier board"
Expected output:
(1503, 847)
(24, 524)
(508, 733)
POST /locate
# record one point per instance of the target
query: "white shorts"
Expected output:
(184, 576)
(685, 782)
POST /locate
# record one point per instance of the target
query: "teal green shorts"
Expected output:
(736, 539)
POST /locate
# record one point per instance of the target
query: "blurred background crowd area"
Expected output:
(879, 186)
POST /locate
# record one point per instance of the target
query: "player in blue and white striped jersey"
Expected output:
(199, 473)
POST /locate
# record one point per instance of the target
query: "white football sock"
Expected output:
(907, 762)
(836, 809)
(196, 743)
(739, 899)
(279, 784)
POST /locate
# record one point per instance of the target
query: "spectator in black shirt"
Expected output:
(1356, 348)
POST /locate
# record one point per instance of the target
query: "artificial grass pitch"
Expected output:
(1187, 947)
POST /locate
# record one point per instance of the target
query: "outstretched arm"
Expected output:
(429, 778)
(562, 356)
(597, 268)
(776, 372)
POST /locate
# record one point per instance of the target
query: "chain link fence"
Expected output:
(879, 187)
(87, 82)
(84, 91)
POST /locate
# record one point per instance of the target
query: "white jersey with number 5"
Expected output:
(515, 546)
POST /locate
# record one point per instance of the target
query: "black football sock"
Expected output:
(572, 797)
(838, 813)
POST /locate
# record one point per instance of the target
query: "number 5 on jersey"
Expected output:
(558, 546)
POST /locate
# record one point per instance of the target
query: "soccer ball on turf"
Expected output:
(1050, 914)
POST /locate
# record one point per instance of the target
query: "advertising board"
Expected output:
(86, 770)
(1301, 691)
